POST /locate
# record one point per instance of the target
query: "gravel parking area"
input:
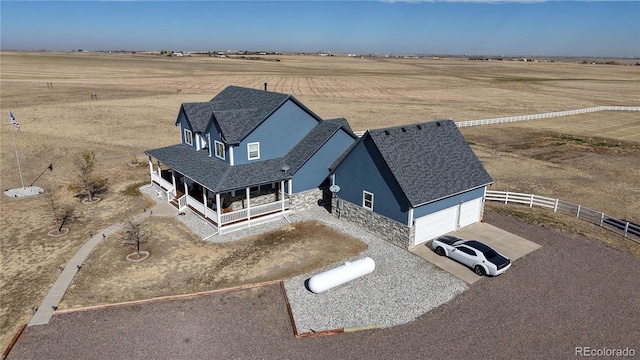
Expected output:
(572, 292)
(401, 288)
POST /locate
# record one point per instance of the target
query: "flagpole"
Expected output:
(15, 147)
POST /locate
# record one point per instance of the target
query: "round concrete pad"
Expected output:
(21, 192)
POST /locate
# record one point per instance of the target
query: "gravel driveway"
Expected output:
(572, 292)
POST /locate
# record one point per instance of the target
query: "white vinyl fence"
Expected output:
(622, 227)
(545, 115)
(535, 116)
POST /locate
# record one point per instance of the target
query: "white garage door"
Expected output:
(436, 224)
(431, 226)
(470, 212)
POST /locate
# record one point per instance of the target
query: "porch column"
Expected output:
(204, 198)
(158, 163)
(186, 188)
(150, 165)
(218, 209)
(282, 194)
(173, 180)
(247, 191)
(290, 186)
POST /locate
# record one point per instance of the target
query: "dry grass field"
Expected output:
(137, 97)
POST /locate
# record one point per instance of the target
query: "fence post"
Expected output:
(626, 229)
(506, 197)
(531, 201)
(555, 207)
(601, 218)
(578, 213)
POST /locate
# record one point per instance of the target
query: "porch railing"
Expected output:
(195, 204)
(164, 183)
(243, 214)
(211, 214)
(182, 202)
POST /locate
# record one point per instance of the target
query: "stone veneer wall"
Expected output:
(305, 199)
(389, 230)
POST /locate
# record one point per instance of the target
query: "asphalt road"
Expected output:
(572, 292)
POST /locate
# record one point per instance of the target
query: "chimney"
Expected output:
(265, 86)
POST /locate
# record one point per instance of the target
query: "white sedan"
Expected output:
(472, 253)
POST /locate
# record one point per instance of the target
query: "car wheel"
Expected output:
(440, 251)
(479, 270)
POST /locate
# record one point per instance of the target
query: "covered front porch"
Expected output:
(226, 210)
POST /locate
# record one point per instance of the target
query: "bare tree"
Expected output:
(89, 183)
(62, 214)
(135, 233)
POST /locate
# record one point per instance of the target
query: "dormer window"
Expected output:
(219, 147)
(188, 137)
(253, 150)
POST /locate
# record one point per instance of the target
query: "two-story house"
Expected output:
(245, 155)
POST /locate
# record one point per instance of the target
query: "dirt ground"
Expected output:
(575, 164)
(120, 105)
(181, 263)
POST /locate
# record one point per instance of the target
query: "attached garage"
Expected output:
(436, 224)
(450, 219)
(425, 177)
(470, 212)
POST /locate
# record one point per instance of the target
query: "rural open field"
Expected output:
(120, 105)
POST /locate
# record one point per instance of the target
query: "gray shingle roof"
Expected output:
(430, 160)
(220, 177)
(237, 111)
(313, 142)
(198, 115)
(215, 174)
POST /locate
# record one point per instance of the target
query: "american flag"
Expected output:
(14, 121)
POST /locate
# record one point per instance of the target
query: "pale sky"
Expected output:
(537, 28)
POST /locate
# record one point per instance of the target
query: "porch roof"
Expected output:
(216, 175)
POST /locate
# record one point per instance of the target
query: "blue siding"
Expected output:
(447, 202)
(364, 169)
(184, 124)
(214, 134)
(316, 169)
(278, 134)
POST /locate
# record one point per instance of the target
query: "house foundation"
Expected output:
(387, 229)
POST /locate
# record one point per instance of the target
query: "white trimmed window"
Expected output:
(219, 149)
(188, 137)
(367, 200)
(253, 150)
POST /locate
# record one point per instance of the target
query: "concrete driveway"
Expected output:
(506, 243)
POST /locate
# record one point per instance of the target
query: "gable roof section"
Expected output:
(217, 175)
(239, 110)
(430, 160)
(198, 115)
(313, 141)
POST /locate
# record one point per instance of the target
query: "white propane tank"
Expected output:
(340, 275)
